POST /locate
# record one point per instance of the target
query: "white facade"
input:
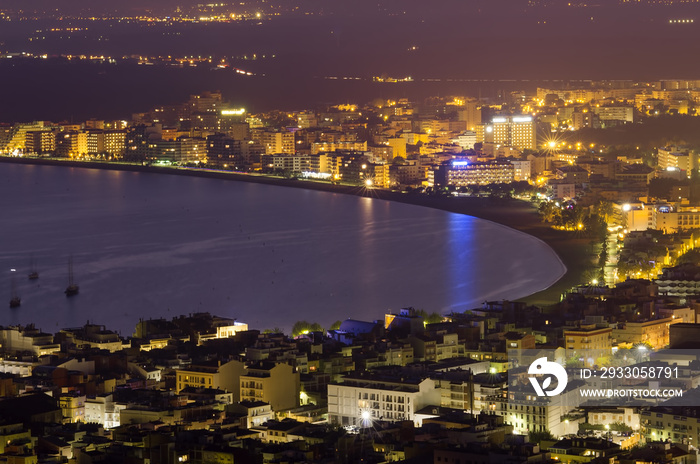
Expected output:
(348, 404)
(615, 113)
(466, 140)
(522, 170)
(103, 410)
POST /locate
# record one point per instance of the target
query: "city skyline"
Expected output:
(339, 232)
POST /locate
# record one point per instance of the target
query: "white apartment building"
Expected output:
(362, 398)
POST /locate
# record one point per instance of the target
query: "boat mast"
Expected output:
(33, 273)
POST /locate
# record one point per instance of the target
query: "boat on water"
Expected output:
(33, 273)
(15, 300)
(72, 288)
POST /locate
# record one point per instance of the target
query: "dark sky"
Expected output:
(454, 39)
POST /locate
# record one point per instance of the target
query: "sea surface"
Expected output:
(149, 246)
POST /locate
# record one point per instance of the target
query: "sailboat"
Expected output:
(72, 288)
(33, 273)
(15, 300)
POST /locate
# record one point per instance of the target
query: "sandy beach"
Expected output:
(521, 215)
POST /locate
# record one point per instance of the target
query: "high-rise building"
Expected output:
(515, 131)
(223, 152)
(276, 142)
(71, 143)
(206, 102)
(95, 142)
(138, 140)
(182, 150)
(40, 142)
(114, 142)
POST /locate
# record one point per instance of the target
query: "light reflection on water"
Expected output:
(149, 245)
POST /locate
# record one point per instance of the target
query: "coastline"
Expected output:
(516, 214)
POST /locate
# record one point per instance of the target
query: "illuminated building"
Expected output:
(341, 145)
(212, 375)
(529, 413)
(470, 113)
(292, 163)
(413, 138)
(484, 133)
(139, 139)
(654, 332)
(636, 173)
(408, 173)
(115, 142)
(519, 341)
(205, 121)
(588, 337)
(12, 432)
(583, 119)
(40, 142)
(18, 339)
(582, 450)
(206, 102)
(275, 142)
(629, 416)
(673, 424)
(95, 336)
(306, 119)
(515, 131)
(71, 143)
(466, 140)
(382, 176)
(471, 390)
(236, 130)
(378, 397)
(462, 173)
(596, 167)
(680, 106)
(572, 174)
(255, 413)
(223, 152)
(383, 152)
(407, 321)
(95, 142)
(398, 146)
(182, 150)
(319, 163)
(103, 410)
(110, 142)
(614, 113)
(72, 407)
(677, 158)
(276, 384)
(521, 170)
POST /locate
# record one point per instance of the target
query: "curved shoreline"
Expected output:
(515, 214)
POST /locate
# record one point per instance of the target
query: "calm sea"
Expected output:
(148, 246)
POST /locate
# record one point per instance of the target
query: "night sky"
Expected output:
(448, 40)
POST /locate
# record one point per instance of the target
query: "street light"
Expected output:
(365, 418)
